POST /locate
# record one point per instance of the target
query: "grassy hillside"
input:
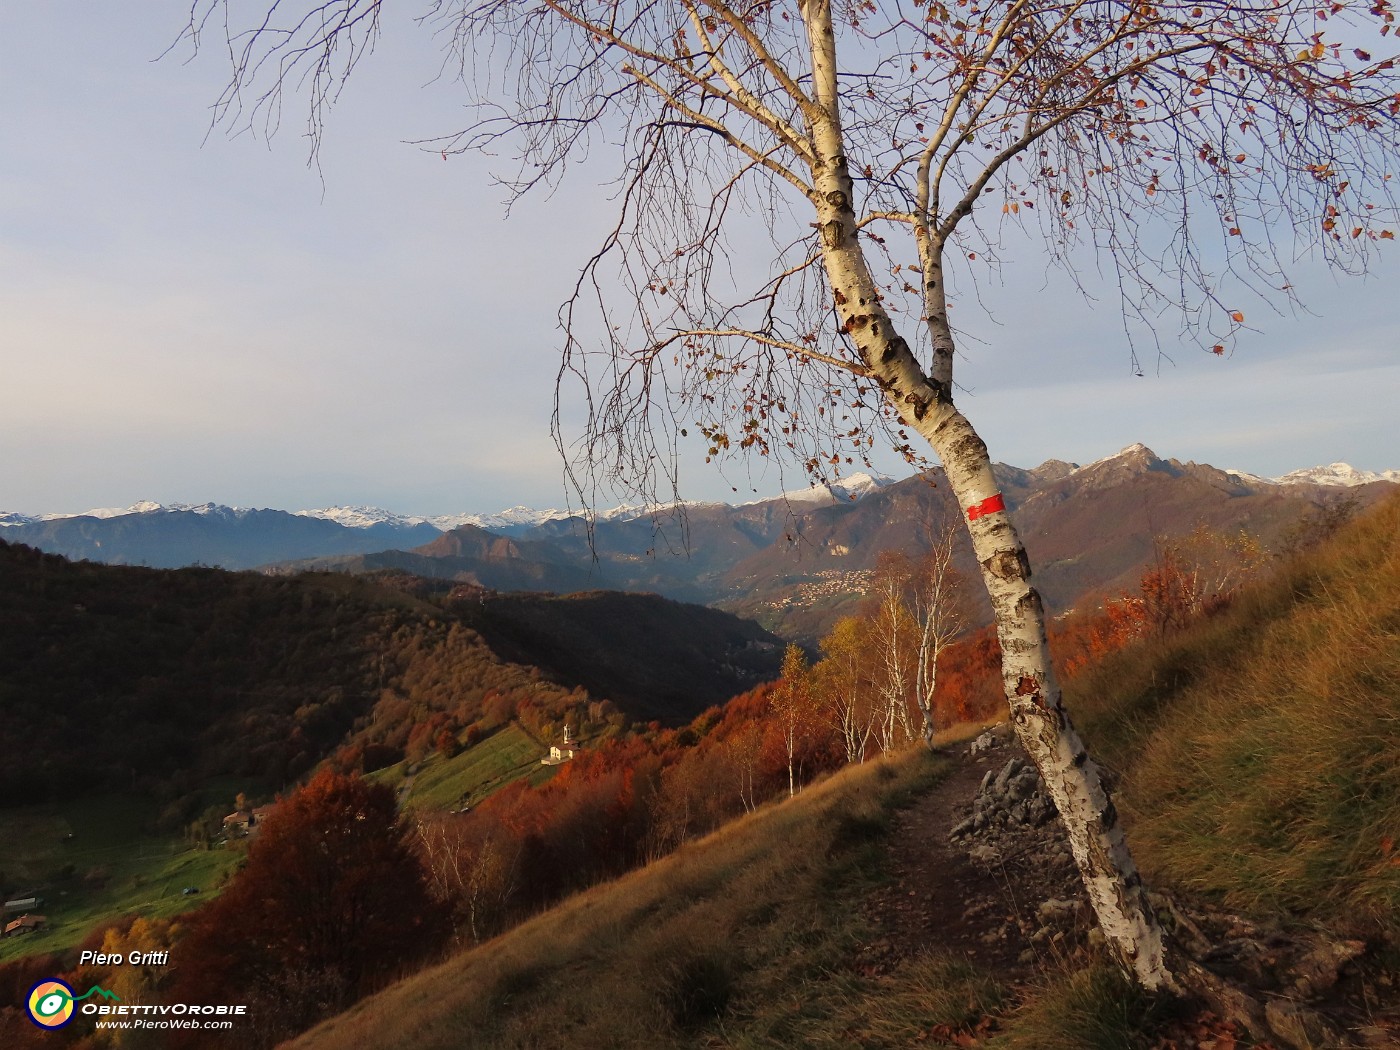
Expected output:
(761, 935)
(1258, 762)
(439, 782)
(727, 926)
(1260, 750)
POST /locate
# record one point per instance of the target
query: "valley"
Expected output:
(151, 699)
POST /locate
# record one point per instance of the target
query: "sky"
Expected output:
(189, 316)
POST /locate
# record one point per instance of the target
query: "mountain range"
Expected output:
(794, 563)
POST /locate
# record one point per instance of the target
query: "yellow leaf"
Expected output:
(1237, 317)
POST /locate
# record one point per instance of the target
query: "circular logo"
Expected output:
(50, 1003)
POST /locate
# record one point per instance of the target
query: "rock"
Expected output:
(1012, 767)
(1024, 784)
(1318, 970)
(1058, 910)
(983, 855)
(1298, 1026)
(985, 742)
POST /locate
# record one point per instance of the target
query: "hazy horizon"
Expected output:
(196, 317)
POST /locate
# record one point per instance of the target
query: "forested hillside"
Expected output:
(154, 679)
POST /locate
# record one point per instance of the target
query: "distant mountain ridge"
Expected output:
(794, 563)
(850, 488)
(208, 534)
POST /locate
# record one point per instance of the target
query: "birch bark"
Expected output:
(925, 403)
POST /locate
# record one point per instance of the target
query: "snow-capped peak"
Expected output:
(1137, 450)
(147, 506)
(1341, 474)
(358, 517)
(848, 489)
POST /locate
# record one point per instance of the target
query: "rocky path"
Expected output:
(1003, 892)
(982, 871)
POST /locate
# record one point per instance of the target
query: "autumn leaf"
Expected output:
(1237, 317)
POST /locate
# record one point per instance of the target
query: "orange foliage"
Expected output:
(330, 904)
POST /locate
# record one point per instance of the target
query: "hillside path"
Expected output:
(941, 900)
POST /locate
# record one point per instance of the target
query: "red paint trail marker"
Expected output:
(990, 505)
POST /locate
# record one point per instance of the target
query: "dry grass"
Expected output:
(1094, 1008)
(741, 939)
(1261, 751)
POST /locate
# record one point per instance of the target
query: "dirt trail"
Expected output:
(1004, 894)
(940, 900)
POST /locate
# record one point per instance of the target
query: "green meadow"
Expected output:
(95, 859)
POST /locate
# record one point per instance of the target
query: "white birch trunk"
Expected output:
(1042, 724)
(938, 624)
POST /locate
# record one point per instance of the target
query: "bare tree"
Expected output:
(1193, 148)
(468, 868)
(745, 750)
(938, 613)
(892, 637)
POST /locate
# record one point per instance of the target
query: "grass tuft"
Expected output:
(1095, 1008)
(696, 987)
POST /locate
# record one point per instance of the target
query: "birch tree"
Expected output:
(1192, 149)
(792, 705)
(937, 610)
(840, 680)
(891, 633)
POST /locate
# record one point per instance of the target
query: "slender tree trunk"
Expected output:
(928, 670)
(792, 786)
(925, 403)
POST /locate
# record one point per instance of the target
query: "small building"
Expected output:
(244, 822)
(562, 751)
(25, 924)
(24, 904)
(238, 822)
